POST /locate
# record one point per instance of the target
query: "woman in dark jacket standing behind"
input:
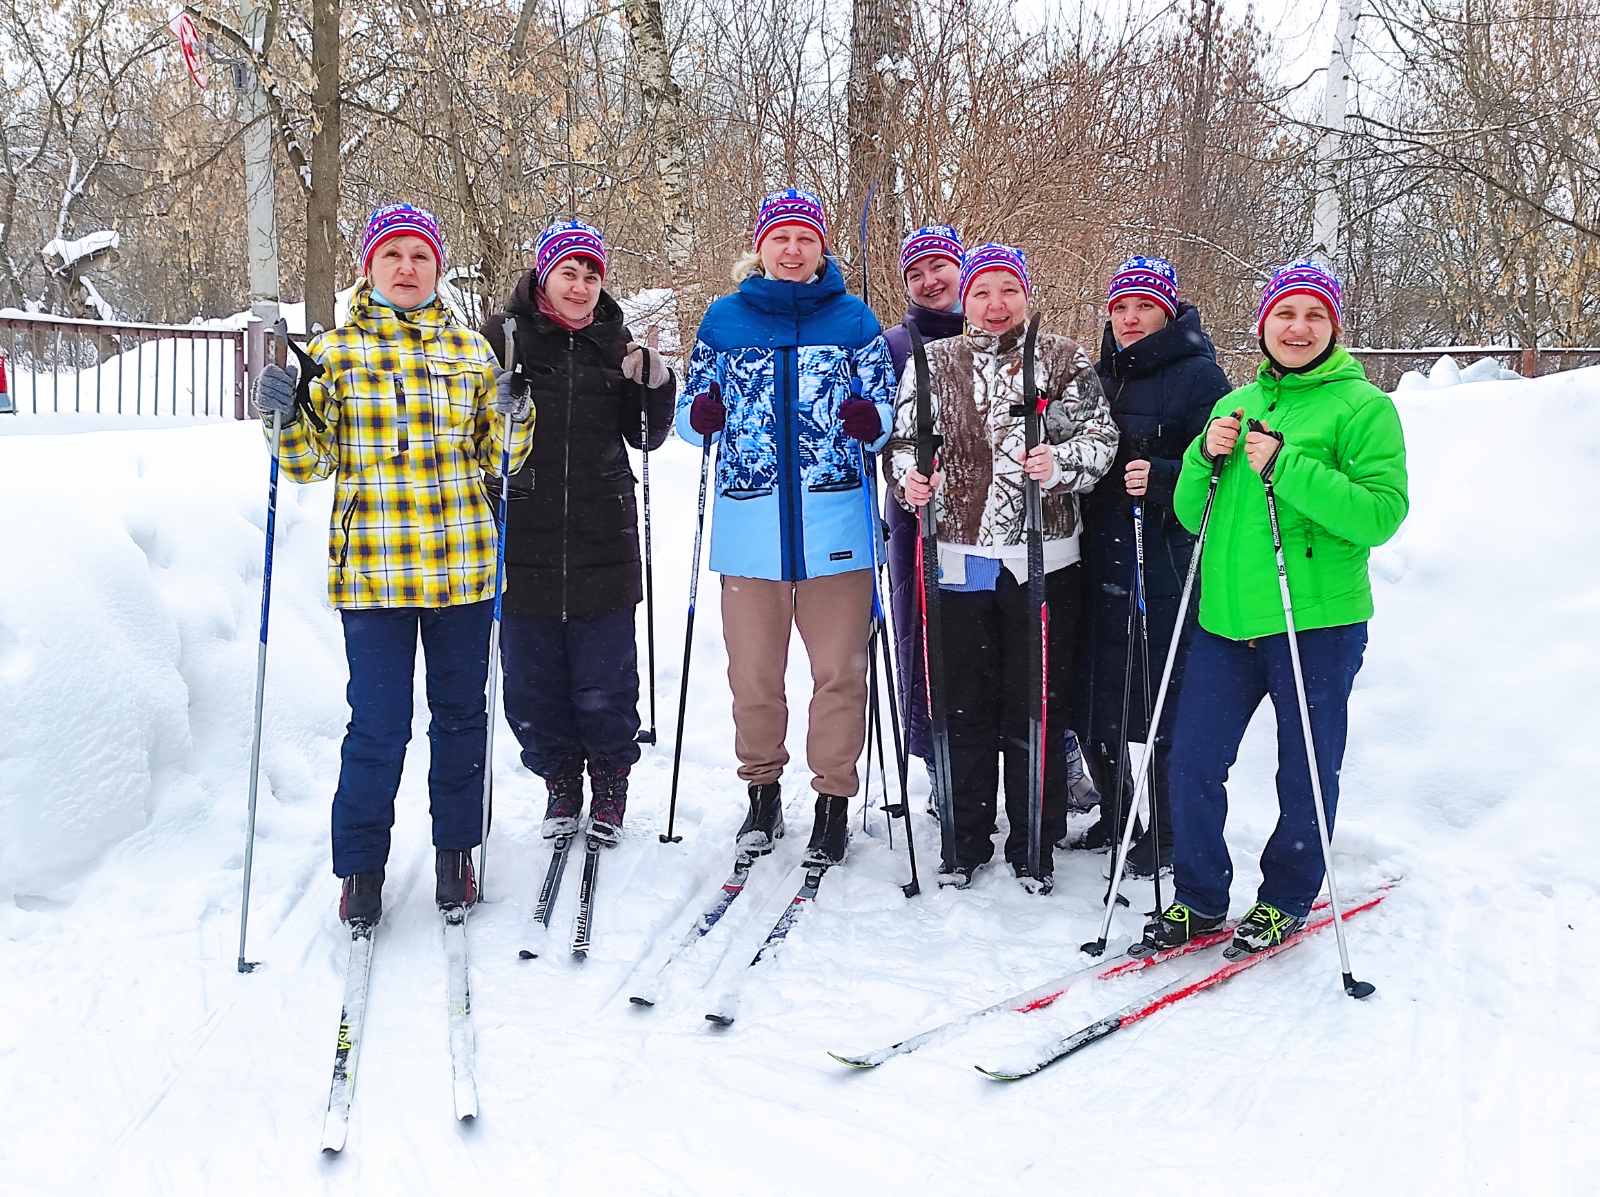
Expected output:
(1160, 374)
(572, 544)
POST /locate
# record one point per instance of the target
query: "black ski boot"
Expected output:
(764, 824)
(956, 876)
(1263, 926)
(608, 800)
(1176, 926)
(830, 832)
(1041, 885)
(361, 899)
(565, 803)
(456, 887)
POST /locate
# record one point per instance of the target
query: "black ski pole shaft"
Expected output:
(1097, 946)
(1154, 823)
(1038, 646)
(1355, 988)
(927, 448)
(880, 632)
(688, 631)
(509, 327)
(649, 736)
(279, 334)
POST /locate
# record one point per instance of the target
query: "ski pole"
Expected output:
(1038, 647)
(1355, 988)
(309, 369)
(648, 737)
(1154, 829)
(1097, 946)
(501, 526)
(869, 485)
(688, 631)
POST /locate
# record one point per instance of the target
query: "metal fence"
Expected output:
(1385, 367)
(108, 368)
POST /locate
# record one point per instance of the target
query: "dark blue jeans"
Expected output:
(380, 645)
(1223, 685)
(572, 688)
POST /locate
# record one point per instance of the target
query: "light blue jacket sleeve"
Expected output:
(875, 372)
(701, 374)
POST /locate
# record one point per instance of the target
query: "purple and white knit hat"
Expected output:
(790, 206)
(1153, 278)
(931, 241)
(1302, 277)
(994, 256)
(400, 220)
(567, 239)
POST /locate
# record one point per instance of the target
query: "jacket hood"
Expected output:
(1182, 337)
(780, 297)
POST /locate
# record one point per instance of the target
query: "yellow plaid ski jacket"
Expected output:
(410, 434)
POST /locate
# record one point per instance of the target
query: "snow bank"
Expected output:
(127, 624)
(1446, 373)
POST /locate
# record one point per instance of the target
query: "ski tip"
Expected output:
(643, 1003)
(859, 1063)
(720, 1020)
(999, 1076)
(527, 954)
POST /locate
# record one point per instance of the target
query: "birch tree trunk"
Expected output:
(663, 118)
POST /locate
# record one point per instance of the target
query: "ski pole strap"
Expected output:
(1266, 470)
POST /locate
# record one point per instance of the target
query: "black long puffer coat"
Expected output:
(1161, 389)
(572, 549)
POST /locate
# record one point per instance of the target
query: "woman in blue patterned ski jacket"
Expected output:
(806, 385)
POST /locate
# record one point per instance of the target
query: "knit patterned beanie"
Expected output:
(1152, 278)
(400, 220)
(567, 239)
(994, 256)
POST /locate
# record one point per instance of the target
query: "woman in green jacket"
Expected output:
(1331, 445)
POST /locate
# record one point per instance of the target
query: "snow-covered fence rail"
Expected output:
(111, 368)
(1385, 367)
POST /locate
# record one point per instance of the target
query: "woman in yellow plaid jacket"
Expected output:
(411, 406)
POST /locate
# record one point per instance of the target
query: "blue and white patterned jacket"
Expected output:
(788, 494)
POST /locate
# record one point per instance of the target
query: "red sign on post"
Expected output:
(183, 28)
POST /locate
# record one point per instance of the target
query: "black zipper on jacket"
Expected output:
(566, 472)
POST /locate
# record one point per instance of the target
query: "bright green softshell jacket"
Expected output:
(1340, 481)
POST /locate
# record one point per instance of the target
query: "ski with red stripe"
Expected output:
(1043, 995)
(1196, 981)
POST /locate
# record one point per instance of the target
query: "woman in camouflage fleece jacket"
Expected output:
(974, 380)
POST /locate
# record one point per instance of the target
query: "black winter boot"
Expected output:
(565, 802)
(361, 899)
(456, 887)
(608, 800)
(1176, 926)
(764, 824)
(830, 832)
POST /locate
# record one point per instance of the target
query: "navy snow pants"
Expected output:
(572, 689)
(1224, 684)
(380, 645)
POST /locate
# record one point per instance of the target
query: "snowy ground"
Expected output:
(135, 1059)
